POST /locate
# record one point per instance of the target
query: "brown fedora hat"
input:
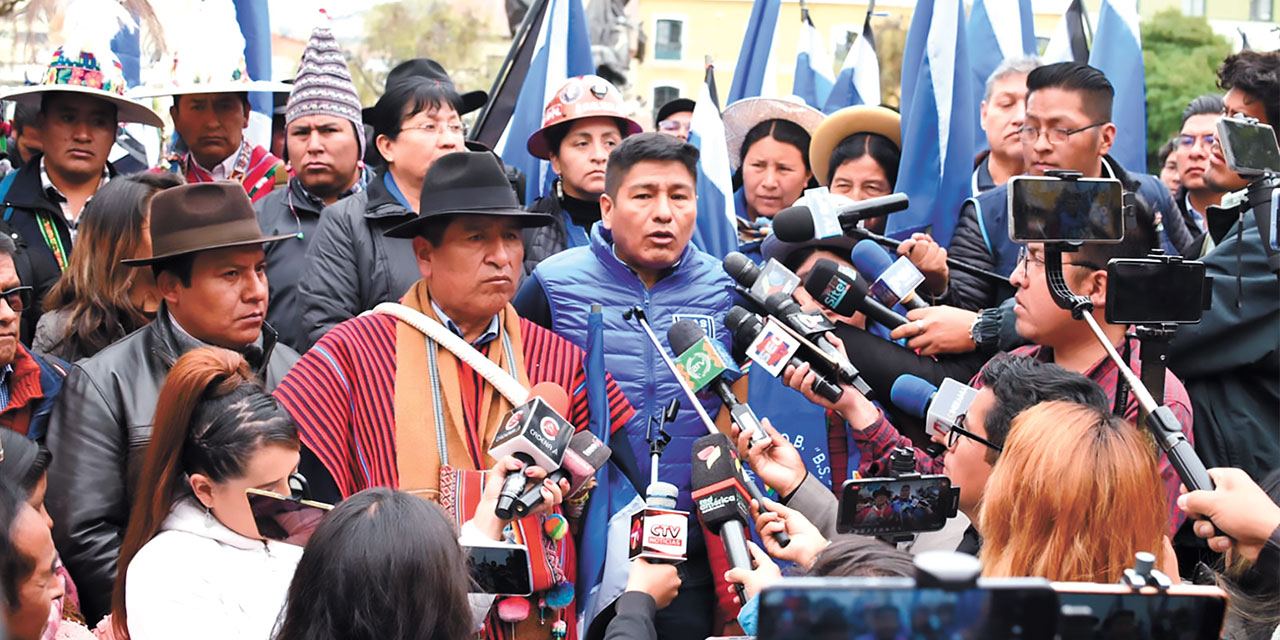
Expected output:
(200, 217)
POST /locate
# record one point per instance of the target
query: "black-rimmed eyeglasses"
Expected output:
(19, 298)
(953, 436)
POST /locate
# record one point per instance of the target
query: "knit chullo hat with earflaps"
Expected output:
(323, 85)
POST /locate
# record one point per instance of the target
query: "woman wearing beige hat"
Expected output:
(855, 152)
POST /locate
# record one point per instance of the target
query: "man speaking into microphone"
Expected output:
(379, 404)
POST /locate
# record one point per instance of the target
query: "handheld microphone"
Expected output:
(659, 532)
(895, 281)
(795, 224)
(941, 407)
(802, 222)
(721, 497)
(815, 327)
(842, 291)
(537, 435)
(696, 352)
(773, 350)
(584, 456)
(724, 461)
(759, 282)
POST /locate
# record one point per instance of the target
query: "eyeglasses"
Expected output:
(1056, 135)
(673, 126)
(18, 297)
(1190, 141)
(455, 128)
(1025, 259)
(953, 436)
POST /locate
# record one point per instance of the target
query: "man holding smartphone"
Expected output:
(1231, 359)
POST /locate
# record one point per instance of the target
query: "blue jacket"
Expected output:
(559, 294)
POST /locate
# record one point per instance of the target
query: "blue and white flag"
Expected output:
(859, 79)
(813, 65)
(752, 77)
(997, 29)
(1117, 52)
(716, 230)
(254, 17)
(1070, 39)
(937, 121)
(563, 51)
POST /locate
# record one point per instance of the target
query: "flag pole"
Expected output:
(531, 17)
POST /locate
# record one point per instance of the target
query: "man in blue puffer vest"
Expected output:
(640, 254)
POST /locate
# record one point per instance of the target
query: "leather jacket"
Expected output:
(100, 429)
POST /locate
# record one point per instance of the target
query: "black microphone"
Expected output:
(842, 291)
(741, 269)
(795, 224)
(537, 435)
(746, 327)
(721, 497)
(802, 222)
(815, 328)
(685, 338)
(895, 281)
(583, 457)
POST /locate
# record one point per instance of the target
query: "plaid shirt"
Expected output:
(878, 441)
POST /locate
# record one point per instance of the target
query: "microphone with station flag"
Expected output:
(817, 222)
(703, 365)
(760, 282)
(721, 496)
(659, 532)
(842, 291)
(537, 435)
(773, 349)
(895, 281)
(941, 407)
(814, 326)
(583, 457)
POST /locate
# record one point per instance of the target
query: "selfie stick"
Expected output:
(659, 441)
(1160, 421)
(753, 491)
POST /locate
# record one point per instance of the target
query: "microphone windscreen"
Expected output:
(552, 394)
(717, 487)
(781, 304)
(870, 259)
(912, 394)
(590, 448)
(736, 319)
(819, 276)
(840, 290)
(741, 269)
(683, 334)
(714, 461)
(793, 224)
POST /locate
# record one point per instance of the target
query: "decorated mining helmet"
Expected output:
(577, 98)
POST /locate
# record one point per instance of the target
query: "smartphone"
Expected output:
(1023, 609)
(880, 506)
(1044, 209)
(1249, 147)
(1155, 290)
(1275, 219)
(1091, 611)
(500, 568)
(285, 518)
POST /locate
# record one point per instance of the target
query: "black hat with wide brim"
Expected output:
(430, 70)
(467, 182)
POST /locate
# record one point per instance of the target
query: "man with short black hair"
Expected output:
(1231, 358)
(29, 383)
(641, 254)
(210, 268)
(1195, 142)
(28, 560)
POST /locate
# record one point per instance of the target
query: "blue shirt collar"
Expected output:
(485, 338)
(394, 189)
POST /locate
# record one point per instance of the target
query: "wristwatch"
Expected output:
(985, 330)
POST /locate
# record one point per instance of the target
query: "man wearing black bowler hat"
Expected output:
(380, 404)
(211, 270)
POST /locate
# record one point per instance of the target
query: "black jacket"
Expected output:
(541, 243)
(350, 265)
(100, 428)
(288, 210)
(37, 267)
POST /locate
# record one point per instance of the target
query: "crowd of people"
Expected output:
(175, 338)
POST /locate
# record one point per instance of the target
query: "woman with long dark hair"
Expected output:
(192, 557)
(383, 565)
(99, 300)
(856, 152)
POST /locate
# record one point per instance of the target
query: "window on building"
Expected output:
(1261, 10)
(662, 95)
(1193, 7)
(843, 39)
(670, 44)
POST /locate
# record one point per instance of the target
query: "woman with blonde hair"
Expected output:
(99, 299)
(1076, 494)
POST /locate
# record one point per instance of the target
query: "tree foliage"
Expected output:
(1181, 56)
(436, 29)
